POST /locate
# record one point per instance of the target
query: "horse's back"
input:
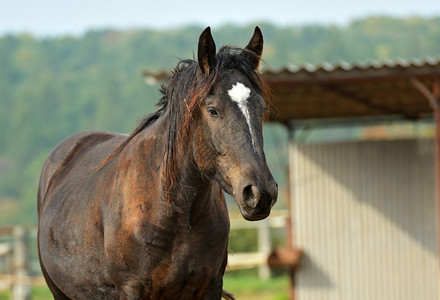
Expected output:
(71, 149)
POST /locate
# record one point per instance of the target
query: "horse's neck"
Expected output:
(188, 195)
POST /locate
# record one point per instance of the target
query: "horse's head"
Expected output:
(228, 141)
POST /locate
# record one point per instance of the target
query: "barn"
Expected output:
(364, 212)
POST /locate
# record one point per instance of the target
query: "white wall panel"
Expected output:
(364, 213)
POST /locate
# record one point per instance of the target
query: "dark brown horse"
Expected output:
(143, 216)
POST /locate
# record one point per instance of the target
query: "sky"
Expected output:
(73, 17)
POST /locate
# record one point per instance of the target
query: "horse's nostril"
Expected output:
(251, 195)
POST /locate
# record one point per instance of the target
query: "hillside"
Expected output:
(53, 87)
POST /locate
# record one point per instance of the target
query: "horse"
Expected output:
(143, 216)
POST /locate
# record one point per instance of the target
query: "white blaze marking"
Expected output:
(240, 93)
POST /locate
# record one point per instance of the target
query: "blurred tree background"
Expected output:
(53, 87)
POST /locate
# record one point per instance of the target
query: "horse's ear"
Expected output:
(206, 51)
(255, 45)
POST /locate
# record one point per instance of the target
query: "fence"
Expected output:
(15, 266)
(19, 267)
(244, 260)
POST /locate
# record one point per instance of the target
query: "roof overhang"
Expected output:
(346, 91)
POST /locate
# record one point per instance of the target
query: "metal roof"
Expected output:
(359, 90)
(371, 64)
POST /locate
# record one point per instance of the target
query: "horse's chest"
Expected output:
(183, 265)
(194, 252)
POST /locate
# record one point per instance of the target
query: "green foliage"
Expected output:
(243, 240)
(53, 87)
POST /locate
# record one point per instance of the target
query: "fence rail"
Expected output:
(10, 279)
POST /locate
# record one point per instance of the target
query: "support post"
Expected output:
(290, 176)
(20, 290)
(436, 94)
(434, 100)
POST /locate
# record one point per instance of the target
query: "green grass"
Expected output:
(37, 293)
(247, 287)
(4, 295)
(244, 286)
(41, 293)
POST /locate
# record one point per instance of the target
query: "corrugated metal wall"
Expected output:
(364, 213)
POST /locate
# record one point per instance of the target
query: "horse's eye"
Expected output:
(212, 112)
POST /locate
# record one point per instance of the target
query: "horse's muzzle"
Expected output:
(257, 200)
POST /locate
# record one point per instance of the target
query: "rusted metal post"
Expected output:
(436, 109)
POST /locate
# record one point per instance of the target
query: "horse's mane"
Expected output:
(185, 90)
